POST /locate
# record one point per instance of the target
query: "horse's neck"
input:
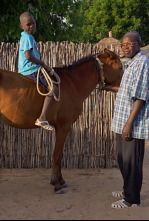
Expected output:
(86, 78)
(81, 77)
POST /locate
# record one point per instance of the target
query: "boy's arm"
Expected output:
(34, 60)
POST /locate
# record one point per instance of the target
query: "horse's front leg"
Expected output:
(56, 177)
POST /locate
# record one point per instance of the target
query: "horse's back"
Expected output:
(15, 79)
(20, 102)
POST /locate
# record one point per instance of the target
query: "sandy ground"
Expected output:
(25, 194)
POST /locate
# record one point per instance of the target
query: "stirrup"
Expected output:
(118, 194)
(122, 204)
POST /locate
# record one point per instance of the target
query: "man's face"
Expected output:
(130, 46)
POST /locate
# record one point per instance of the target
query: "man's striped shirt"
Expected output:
(134, 84)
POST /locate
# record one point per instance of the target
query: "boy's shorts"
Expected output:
(42, 80)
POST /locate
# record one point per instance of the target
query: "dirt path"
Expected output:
(25, 194)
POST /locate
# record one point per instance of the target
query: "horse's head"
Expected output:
(112, 70)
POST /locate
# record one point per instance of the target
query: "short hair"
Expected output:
(24, 15)
(134, 34)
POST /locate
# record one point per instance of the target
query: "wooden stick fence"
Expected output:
(90, 143)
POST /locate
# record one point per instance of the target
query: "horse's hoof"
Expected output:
(61, 191)
(65, 185)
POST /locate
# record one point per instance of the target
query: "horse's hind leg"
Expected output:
(56, 177)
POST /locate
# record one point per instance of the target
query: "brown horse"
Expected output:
(21, 104)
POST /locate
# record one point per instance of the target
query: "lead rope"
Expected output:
(50, 82)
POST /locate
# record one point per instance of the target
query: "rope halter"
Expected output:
(102, 81)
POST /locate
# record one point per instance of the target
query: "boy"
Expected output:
(29, 63)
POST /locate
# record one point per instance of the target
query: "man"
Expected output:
(131, 121)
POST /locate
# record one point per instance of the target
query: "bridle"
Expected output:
(102, 81)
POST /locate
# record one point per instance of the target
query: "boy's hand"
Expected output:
(45, 66)
(48, 69)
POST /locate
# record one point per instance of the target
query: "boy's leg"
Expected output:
(42, 120)
(45, 108)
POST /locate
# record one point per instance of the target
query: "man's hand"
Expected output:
(126, 132)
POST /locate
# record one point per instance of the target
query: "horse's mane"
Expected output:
(81, 61)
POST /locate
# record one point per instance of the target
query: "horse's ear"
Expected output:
(108, 53)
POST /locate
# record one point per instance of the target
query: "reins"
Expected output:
(50, 82)
(102, 82)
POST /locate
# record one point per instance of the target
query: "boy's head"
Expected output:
(27, 22)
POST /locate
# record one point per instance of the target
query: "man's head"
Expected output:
(131, 43)
(27, 22)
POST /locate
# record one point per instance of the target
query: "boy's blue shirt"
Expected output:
(27, 42)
